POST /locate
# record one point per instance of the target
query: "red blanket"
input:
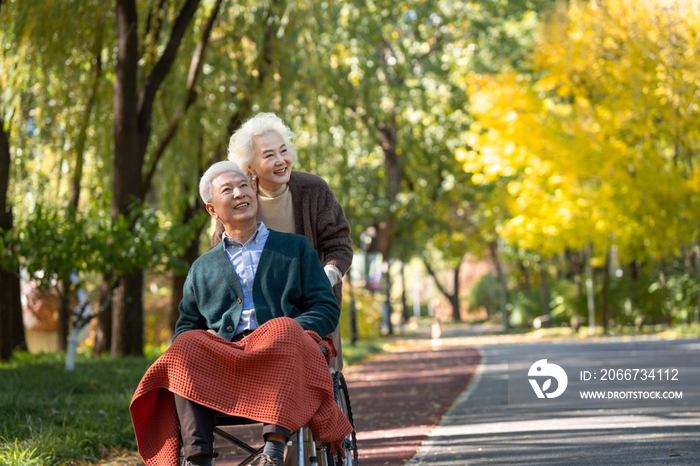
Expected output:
(276, 375)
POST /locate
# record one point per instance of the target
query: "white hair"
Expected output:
(212, 172)
(240, 147)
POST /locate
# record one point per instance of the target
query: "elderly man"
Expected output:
(253, 277)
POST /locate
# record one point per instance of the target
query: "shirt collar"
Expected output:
(259, 234)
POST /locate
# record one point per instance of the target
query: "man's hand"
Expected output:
(211, 330)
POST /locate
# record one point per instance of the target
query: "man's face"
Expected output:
(233, 200)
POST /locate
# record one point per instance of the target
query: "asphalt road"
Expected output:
(490, 426)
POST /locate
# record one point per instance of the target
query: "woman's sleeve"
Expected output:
(333, 232)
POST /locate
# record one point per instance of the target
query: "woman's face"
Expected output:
(273, 161)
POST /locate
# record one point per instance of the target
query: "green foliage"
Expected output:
(484, 294)
(656, 295)
(682, 293)
(524, 305)
(81, 411)
(369, 313)
(55, 242)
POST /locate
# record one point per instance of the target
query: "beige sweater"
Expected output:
(275, 209)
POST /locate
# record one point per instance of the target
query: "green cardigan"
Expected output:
(289, 282)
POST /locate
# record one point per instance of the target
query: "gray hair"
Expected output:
(212, 172)
(240, 147)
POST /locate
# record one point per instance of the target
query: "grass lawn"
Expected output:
(52, 417)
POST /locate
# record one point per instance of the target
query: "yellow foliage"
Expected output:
(604, 146)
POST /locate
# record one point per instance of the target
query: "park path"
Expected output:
(487, 427)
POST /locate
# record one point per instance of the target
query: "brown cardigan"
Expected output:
(319, 217)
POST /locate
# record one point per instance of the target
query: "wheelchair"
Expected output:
(308, 451)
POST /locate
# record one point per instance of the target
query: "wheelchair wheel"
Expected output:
(340, 391)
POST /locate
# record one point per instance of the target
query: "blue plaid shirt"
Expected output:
(244, 259)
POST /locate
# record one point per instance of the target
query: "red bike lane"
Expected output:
(398, 397)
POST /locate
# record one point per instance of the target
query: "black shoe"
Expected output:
(263, 459)
(199, 460)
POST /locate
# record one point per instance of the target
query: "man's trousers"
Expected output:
(197, 424)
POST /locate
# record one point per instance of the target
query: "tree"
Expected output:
(598, 145)
(133, 110)
(11, 326)
(580, 163)
(394, 111)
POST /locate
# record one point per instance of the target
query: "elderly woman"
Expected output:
(293, 201)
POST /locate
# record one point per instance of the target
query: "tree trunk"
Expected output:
(387, 137)
(405, 315)
(11, 325)
(604, 293)
(132, 133)
(96, 72)
(454, 299)
(63, 318)
(590, 298)
(354, 334)
(493, 248)
(526, 275)
(127, 325)
(664, 294)
(191, 94)
(127, 314)
(634, 270)
(545, 293)
(103, 327)
(387, 303)
(576, 270)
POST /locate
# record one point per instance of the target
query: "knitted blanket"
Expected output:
(276, 375)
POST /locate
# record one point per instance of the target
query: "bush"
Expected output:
(526, 305)
(655, 296)
(485, 294)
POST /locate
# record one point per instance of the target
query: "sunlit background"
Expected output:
(518, 162)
